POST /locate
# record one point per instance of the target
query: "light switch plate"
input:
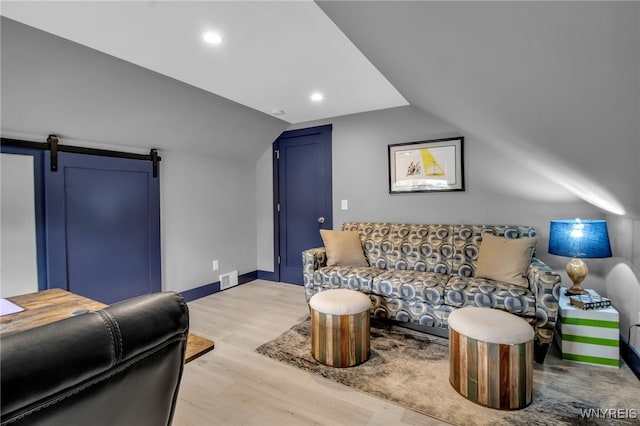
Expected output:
(345, 205)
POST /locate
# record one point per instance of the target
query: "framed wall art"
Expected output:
(426, 166)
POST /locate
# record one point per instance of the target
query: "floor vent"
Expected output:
(228, 280)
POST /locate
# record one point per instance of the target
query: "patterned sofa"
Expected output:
(419, 274)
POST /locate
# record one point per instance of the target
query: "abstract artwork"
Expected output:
(426, 166)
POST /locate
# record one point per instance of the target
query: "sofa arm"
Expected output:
(545, 285)
(65, 372)
(312, 260)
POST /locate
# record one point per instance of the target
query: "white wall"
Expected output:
(18, 271)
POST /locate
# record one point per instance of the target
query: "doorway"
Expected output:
(103, 226)
(97, 221)
(303, 196)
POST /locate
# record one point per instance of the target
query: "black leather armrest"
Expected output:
(57, 372)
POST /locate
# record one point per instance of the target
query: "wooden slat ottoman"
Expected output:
(340, 327)
(491, 357)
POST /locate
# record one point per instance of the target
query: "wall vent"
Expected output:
(228, 280)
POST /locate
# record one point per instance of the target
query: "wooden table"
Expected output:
(56, 304)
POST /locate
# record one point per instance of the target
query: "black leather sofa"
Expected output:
(118, 366)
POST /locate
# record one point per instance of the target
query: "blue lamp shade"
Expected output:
(579, 238)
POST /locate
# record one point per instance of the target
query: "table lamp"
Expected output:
(579, 238)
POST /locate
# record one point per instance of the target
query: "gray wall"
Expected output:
(548, 94)
(499, 190)
(216, 163)
(52, 85)
(264, 211)
(209, 145)
(554, 85)
(622, 274)
(207, 212)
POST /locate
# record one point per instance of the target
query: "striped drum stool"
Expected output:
(340, 327)
(491, 357)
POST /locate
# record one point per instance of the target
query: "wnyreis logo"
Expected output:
(608, 413)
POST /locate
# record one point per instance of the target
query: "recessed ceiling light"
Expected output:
(277, 111)
(212, 37)
(317, 97)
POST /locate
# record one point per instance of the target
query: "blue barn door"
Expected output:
(102, 226)
(304, 194)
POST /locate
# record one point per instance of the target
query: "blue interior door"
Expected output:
(304, 187)
(103, 226)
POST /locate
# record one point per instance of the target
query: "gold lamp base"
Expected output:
(577, 271)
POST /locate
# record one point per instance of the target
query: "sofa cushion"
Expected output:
(355, 278)
(343, 248)
(467, 239)
(483, 292)
(405, 246)
(505, 259)
(413, 311)
(411, 285)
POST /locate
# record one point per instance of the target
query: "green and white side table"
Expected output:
(590, 336)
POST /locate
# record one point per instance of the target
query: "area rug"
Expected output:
(411, 369)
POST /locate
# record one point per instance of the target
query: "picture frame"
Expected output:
(427, 166)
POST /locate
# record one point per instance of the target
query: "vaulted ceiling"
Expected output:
(556, 83)
(270, 55)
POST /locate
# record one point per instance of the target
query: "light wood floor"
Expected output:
(233, 385)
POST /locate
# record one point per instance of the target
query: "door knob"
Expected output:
(321, 219)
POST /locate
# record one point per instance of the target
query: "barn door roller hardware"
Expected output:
(155, 159)
(53, 145)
